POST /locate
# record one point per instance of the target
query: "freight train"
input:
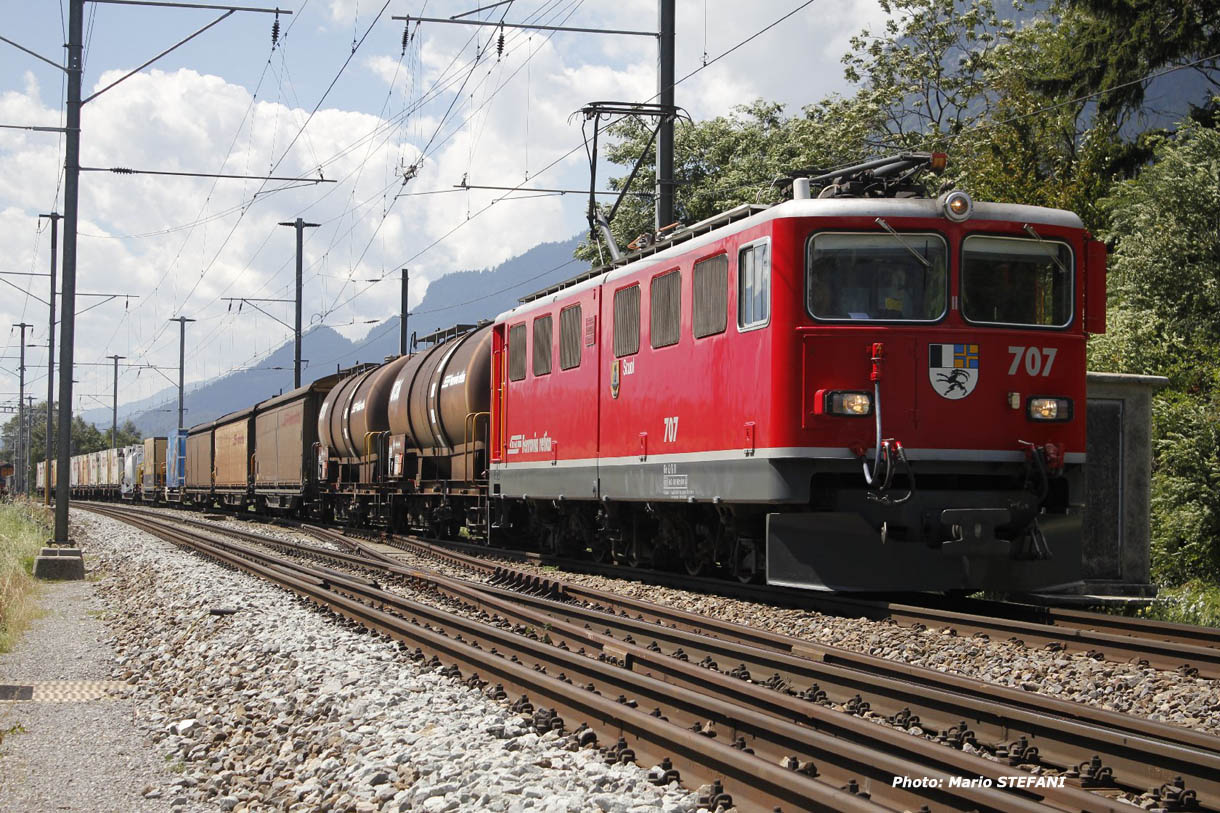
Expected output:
(861, 388)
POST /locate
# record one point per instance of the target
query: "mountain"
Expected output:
(464, 297)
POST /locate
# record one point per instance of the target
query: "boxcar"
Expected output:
(233, 452)
(286, 437)
(153, 483)
(200, 462)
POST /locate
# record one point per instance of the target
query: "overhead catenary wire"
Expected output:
(277, 163)
(692, 73)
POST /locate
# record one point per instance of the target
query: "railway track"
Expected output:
(841, 720)
(1171, 647)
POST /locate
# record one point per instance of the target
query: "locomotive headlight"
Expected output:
(1049, 409)
(957, 205)
(850, 404)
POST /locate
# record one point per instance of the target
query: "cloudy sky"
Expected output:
(338, 98)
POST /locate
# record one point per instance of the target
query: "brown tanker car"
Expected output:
(411, 426)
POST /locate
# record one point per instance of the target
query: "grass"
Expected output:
(1195, 602)
(7, 732)
(23, 531)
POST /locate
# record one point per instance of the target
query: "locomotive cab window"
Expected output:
(884, 277)
(569, 337)
(627, 321)
(1016, 281)
(754, 285)
(516, 352)
(665, 310)
(543, 352)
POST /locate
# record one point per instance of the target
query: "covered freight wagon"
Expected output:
(233, 453)
(199, 463)
(286, 437)
(154, 469)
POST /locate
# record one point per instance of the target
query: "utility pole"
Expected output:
(181, 320)
(54, 218)
(76, 19)
(114, 405)
(665, 97)
(402, 316)
(300, 225)
(23, 451)
(29, 445)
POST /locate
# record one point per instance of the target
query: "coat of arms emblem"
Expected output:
(953, 369)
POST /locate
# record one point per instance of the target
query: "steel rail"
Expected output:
(1140, 755)
(760, 784)
(779, 737)
(1038, 616)
(1139, 760)
(1161, 652)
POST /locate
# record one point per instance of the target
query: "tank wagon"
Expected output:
(861, 388)
(405, 443)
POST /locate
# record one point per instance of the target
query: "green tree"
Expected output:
(1164, 287)
(929, 72)
(940, 75)
(1116, 43)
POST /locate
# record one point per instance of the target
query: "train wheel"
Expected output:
(698, 550)
(600, 549)
(748, 560)
(574, 534)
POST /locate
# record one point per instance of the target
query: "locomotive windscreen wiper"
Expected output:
(881, 222)
(1055, 256)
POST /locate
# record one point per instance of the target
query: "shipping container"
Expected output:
(114, 469)
(175, 461)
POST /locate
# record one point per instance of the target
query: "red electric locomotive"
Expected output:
(863, 390)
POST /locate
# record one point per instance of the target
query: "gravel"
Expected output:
(320, 716)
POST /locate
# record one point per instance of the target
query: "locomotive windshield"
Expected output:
(1015, 281)
(876, 276)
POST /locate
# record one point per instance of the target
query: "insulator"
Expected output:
(406, 36)
(500, 44)
(275, 31)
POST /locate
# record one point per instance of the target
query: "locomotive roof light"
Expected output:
(957, 205)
